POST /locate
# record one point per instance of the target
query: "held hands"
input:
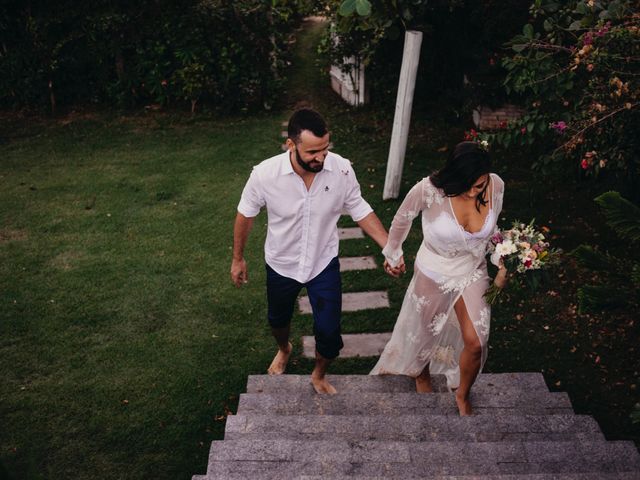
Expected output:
(239, 273)
(397, 270)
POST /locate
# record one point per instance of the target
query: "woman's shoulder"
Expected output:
(498, 182)
(430, 193)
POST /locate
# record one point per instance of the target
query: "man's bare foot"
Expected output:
(464, 405)
(321, 385)
(279, 363)
(423, 384)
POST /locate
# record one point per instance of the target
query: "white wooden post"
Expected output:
(402, 118)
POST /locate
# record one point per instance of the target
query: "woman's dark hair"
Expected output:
(466, 164)
(306, 119)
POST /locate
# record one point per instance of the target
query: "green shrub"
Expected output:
(230, 54)
(575, 69)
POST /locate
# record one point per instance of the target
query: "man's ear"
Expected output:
(290, 144)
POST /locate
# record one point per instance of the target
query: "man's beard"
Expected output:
(306, 165)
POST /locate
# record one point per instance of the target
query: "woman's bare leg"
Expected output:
(469, 358)
(423, 381)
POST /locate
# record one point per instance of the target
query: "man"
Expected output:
(305, 190)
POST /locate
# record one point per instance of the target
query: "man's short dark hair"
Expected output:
(306, 119)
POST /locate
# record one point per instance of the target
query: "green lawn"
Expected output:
(123, 344)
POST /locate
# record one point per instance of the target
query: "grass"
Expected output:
(123, 344)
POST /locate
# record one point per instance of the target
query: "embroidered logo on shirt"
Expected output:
(326, 189)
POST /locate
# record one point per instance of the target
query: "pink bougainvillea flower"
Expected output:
(559, 126)
(584, 164)
(523, 130)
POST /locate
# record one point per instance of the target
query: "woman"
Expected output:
(443, 325)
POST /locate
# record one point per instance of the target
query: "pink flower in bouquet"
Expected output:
(497, 238)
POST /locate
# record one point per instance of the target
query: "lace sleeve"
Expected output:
(411, 206)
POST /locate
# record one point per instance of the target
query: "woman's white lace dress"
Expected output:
(450, 263)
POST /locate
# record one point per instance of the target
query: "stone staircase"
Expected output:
(378, 427)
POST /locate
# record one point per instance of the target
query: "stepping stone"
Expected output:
(353, 302)
(414, 428)
(396, 404)
(357, 263)
(350, 233)
(356, 384)
(284, 147)
(284, 134)
(355, 345)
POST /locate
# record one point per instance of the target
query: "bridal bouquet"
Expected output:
(523, 250)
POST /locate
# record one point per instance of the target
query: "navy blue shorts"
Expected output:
(325, 295)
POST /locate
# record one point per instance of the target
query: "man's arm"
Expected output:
(241, 229)
(372, 226)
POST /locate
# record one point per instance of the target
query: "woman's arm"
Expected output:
(410, 208)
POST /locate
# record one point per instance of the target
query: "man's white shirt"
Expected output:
(302, 233)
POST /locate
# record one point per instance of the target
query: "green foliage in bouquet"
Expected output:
(622, 276)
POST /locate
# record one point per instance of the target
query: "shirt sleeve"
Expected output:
(252, 199)
(354, 204)
(411, 206)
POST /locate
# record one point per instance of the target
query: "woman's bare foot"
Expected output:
(321, 385)
(423, 384)
(279, 363)
(464, 405)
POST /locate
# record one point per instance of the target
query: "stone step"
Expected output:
(290, 458)
(350, 233)
(353, 302)
(394, 404)
(355, 345)
(414, 428)
(532, 381)
(532, 476)
(357, 263)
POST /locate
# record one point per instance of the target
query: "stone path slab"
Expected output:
(357, 263)
(353, 302)
(355, 345)
(350, 233)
